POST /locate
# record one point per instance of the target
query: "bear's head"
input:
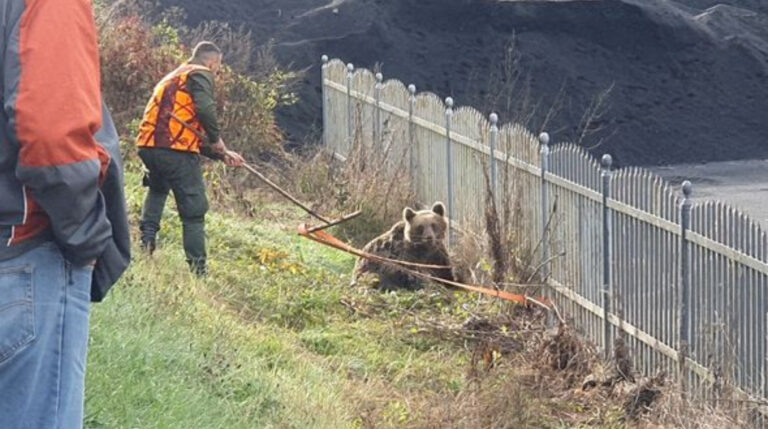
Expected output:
(425, 227)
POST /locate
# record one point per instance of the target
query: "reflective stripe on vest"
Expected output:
(158, 127)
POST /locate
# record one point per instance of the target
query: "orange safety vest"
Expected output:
(158, 128)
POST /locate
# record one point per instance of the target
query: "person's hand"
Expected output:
(219, 147)
(233, 159)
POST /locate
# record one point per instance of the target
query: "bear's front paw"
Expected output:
(369, 280)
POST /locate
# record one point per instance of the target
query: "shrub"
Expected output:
(134, 57)
(137, 52)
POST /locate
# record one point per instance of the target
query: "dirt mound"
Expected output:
(689, 77)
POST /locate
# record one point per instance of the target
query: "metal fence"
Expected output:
(622, 251)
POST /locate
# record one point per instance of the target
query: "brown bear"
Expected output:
(419, 238)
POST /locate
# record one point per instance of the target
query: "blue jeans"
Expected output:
(44, 310)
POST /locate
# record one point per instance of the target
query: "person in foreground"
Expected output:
(64, 238)
(179, 124)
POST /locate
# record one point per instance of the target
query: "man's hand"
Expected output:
(219, 147)
(233, 159)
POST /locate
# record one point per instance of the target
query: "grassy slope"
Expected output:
(267, 341)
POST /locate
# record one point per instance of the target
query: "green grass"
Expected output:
(269, 340)
(265, 342)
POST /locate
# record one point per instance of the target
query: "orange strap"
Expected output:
(327, 239)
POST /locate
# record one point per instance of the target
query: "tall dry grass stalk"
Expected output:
(376, 181)
(494, 230)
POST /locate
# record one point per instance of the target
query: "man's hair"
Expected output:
(205, 51)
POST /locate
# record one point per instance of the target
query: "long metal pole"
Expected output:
(544, 139)
(323, 78)
(685, 283)
(607, 162)
(449, 162)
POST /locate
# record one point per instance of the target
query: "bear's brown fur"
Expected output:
(419, 238)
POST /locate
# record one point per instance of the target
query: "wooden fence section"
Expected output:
(622, 251)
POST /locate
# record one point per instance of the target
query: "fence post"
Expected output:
(449, 161)
(377, 112)
(412, 133)
(685, 283)
(607, 162)
(544, 139)
(323, 77)
(494, 144)
(350, 106)
(765, 361)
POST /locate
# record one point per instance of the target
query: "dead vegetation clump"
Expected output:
(612, 393)
(520, 375)
(643, 397)
(565, 352)
(674, 410)
(375, 181)
(489, 401)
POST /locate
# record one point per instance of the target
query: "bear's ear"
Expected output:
(439, 208)
(408, 214)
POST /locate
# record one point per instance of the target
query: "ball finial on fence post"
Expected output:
(324, 59)
(350, 67)
(412, 89)
(687, 189)
(494, 137)
(606, 161)
(449, 102)
(544, 139)
(379, 77)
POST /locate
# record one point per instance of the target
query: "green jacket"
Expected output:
(201, 85)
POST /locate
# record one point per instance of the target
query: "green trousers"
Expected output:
(181, 173)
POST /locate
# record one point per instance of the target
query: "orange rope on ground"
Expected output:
(327, 239)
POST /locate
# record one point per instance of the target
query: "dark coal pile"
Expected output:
(688, 77)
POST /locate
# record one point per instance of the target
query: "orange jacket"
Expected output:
(172, 95)
(60, 168)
